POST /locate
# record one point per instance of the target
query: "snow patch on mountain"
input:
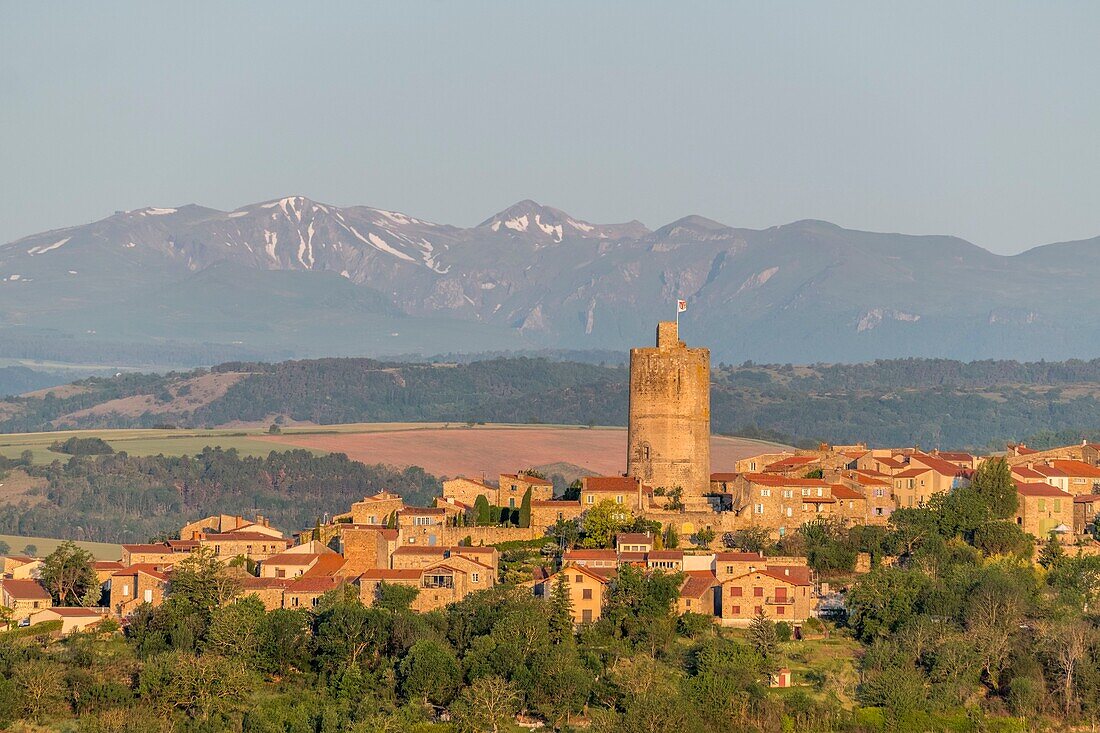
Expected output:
(43, 249)
(876, 316)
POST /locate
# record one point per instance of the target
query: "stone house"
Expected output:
(306, 592)
(633, 542)
(375, 509)
(547, 513)
(780, 503)
(514, 485)
(1043, 509)
(225, 523)
(590, 558)
(21, 567)
(587, 590)
(137, 584)
(1083, 478)
(670, 561)
(698, 593)
(783, 593)
(23, 597)
(156, 553)
(626, 491)
(1085, 507)
(366, 546)
(421, 525)
(440, 583)
(851, 506)
(255, 546)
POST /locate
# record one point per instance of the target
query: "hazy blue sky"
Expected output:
(975, 119)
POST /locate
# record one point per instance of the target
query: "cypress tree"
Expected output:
(481, 509)
(525, 509)
(561, 609)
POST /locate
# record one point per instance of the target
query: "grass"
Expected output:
(45, 545)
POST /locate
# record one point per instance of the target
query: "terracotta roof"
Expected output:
(326, 565)
(947, 468)
(464, 549)
(791, 462)
(479, 482)
(421, 511)
(1077, 468)
(292, 558)
(389, 574)
(770, 480)
(633, 538)
(666, 555)
(320, 584)
(857, 454)
(1023, 450)
(817, 499)
(888, 461)
(250, 583)
(1040, 490)
(697, 583)
(75, 612)
(555, 502)
(30, 590)
(738, 556)
(182, 545)
(1086, 499)
(610, 483)
(632, 557)
(913, 472)
(603, 575)
(148, 568)
(1025, 472)
(382, 496)
(161, 547)
(1049, 471)
(843, 492)
(107, 565)
(243, 536)
(955, 456)
(861, 478)
(24, 559)
(795, 574)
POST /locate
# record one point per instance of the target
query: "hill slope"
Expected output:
(297, 277)
(933, 403)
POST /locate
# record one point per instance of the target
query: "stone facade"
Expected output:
(668, 442)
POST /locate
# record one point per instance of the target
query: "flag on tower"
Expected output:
(681, 306)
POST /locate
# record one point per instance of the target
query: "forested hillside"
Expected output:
(934, 403)
(120, 498)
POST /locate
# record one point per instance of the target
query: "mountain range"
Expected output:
(293, 277)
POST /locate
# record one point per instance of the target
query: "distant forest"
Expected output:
(120, 498)
(933, 403)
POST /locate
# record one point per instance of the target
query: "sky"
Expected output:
(978, 119)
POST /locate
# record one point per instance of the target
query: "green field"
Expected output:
(44, 546)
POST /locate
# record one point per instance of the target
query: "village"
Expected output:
(669, 512)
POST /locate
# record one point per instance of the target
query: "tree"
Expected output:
(671, 540)
(1051, 553)
(993, 483)
(482, 512)
(284, 640)
(429, 673)
(202, 581)
(5, 548)
(1003, 538)
(395, 597)
(488, 704)
(763, 636)
(561, 609)
(68, 573)
(30, 549)
(704, 537)
(235, 629)
(525, 509)
(346, 632)
(41, 686)
(602, 522)
(749, 539)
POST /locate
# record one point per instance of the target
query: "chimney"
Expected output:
(668, 335)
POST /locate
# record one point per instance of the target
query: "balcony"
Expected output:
(776, 601)
(439, 581)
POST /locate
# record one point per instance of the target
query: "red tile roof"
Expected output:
(610, 483)
(583, 554)
(633, 538)
(421, 511)
(795, 574)
(421, 550)
(769, 480)
(843, 492)
(30, 590)
(889, 461)
(666, 555)
(389, 574)
(913, 472)
(1077, 468)
(738, 556)
(697, 583)
(603, 575)
(1086, 499)
(148, 548)
(947, 468)
(1040, 490)
(68, 612)
(791, 462)
(148, 568)
(526, 478)
(243, 537)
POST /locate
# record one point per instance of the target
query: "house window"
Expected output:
(579, 579)
(789, 511)
(1057, 505)
(476, 577)
(880, 493)
(736, 591)
(805, 492)
(1042, 505)
(757, 611)
(878, 511)
(819, 492)
(805, 507)
(511, 502)
(315, 600)
(765, 492)
(759, 509)
(148, 595)
(294, 601)
(586, 594)
(645, 452)
(586, 615)
(125, 591)
(619, 499)
(422, 521)
(788, 493)
(590, 499)
(779, 611)
(758, 592)
(736, 610)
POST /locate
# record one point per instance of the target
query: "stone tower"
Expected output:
(669, 436)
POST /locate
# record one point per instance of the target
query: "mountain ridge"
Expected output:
(533, 276)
